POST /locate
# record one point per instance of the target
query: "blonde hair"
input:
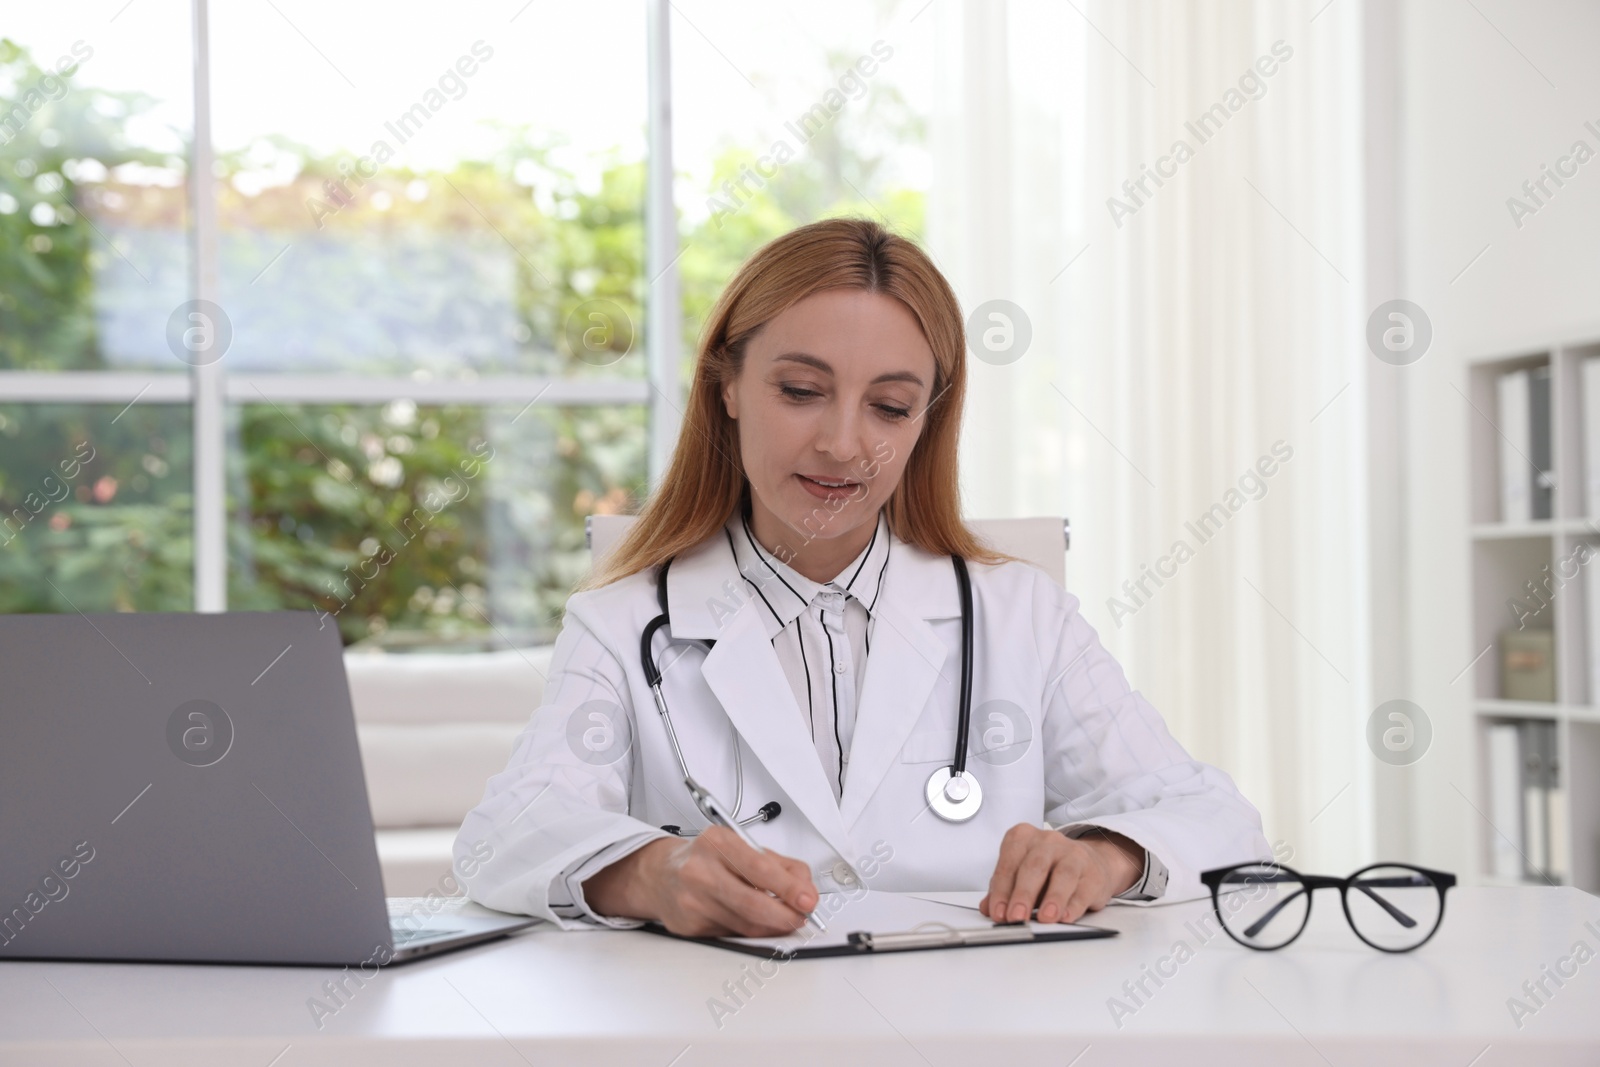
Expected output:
(706, 481)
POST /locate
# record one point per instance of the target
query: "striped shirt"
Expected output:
(822, 633)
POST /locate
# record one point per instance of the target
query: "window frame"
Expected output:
(208, 390)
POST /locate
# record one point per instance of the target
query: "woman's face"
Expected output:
(832, 390)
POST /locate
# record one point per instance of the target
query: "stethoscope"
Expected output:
(952, 792)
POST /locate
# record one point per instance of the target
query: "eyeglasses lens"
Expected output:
(1393, 908)
(1263, 906)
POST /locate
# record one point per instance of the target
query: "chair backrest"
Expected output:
(1041, 541)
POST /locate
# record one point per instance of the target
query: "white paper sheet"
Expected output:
(969, 898)
(884, 913)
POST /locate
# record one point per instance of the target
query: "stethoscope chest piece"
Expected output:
(954, 797)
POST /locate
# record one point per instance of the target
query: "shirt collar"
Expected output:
(785, 592)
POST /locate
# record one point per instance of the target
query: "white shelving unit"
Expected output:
(1505, 556)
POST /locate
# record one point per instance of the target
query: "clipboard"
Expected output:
(871, 923)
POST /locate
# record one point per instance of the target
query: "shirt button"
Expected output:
(843, 874)
(838, 668)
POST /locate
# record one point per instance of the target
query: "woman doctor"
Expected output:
(813, 660)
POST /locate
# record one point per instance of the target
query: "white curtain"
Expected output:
(1170, 354)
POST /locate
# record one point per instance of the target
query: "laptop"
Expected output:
(186, 787)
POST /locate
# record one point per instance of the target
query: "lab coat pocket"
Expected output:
(929, 746)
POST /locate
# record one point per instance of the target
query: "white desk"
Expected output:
(547, 997)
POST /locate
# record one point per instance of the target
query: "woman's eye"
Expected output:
(893, 412)
(796, 393)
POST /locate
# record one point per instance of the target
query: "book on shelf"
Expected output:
(1542, 496)
(1527, 477)
(1527, 665)
(1505, 800)
(1527, 807)
(1591, 436)
(1541, 826)
(1591, 618)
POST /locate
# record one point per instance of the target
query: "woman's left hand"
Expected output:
(1063, 877)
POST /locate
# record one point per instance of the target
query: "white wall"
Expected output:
(1488, 94)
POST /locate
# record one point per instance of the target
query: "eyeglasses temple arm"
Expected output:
(1260, 924)
(1394, 913)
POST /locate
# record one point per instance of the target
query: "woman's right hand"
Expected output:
(710, 885)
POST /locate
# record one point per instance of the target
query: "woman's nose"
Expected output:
(839, 436)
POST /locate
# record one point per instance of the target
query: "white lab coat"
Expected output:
(1057, 737)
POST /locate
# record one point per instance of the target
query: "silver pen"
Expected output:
(713, 810)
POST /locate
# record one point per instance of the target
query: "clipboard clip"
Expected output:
(940, 935)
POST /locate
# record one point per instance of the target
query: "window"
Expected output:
(384, 359)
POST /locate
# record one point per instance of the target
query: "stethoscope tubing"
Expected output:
(964, 718)
(770, 811)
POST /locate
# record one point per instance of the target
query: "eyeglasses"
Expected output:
(1395, 907)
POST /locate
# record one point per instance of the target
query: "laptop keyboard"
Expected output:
(404, 935)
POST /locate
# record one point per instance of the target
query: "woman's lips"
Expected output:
(826, 492)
